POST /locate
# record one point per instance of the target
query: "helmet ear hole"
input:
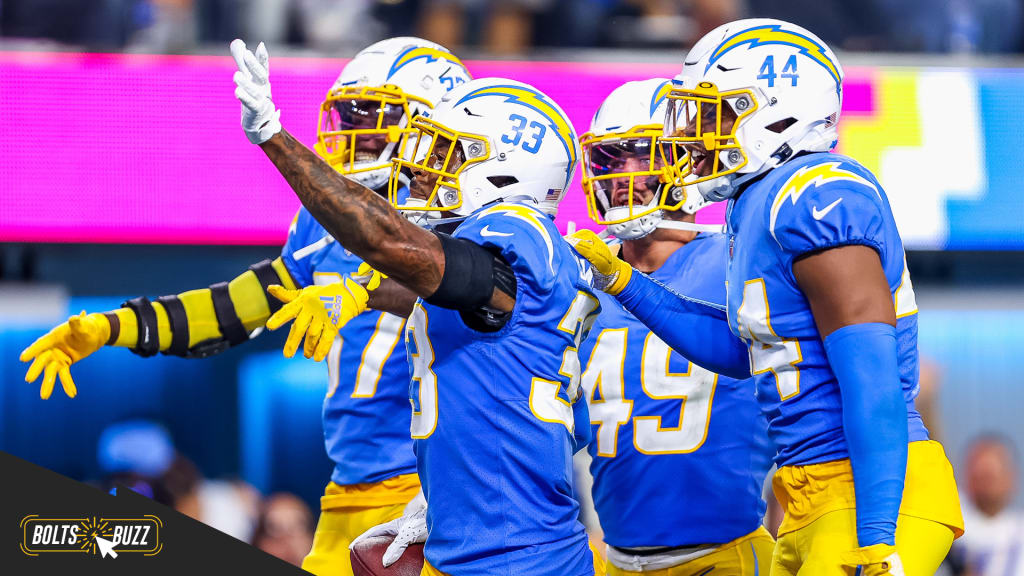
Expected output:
(502, 181)
(780, 126)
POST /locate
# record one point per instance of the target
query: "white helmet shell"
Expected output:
(629, 113)
(796, 82)
(421, 70)
(419, 67)
(531, 147)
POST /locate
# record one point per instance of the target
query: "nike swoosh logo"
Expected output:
(486, 231)
(819, 214)
(706, 571)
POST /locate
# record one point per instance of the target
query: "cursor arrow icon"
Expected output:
(106, 547)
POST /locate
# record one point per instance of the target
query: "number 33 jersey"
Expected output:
(679, 453)
(811, 203)
(365, 412)
(493, 417)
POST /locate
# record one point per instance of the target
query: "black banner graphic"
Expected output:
(51, 524)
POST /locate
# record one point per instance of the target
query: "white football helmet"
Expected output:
(622, 163)
(366, 114)
(764, 90)
(488, 140)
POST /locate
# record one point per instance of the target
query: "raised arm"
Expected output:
(451, 273)
(359, 218)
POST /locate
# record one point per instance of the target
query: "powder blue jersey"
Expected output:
(680, 453)
(365, 413)
(813, 202)
(493, 413)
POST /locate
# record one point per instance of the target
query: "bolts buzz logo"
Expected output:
(104, 537)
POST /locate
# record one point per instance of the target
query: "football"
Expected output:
(367, 555)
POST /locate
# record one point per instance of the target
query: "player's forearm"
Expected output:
(358, 218)
(865, 361)
(696, 329)
(202, 317)
(392, 297)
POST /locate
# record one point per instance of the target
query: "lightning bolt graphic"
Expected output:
(659, 96)
(774, 34)
(804, 178)
(417, 52)
(529, 216)
(536, 101)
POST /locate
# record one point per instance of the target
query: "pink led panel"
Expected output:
(148, 149)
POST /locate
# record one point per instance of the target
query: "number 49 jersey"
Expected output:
(811, 203)
(493, 412)
(366, 429)
(679, 453)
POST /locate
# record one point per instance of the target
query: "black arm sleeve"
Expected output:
(471, 273)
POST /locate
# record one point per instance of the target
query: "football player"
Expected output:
(362, 121)
(501, 306)
(680, 453)
(820, 304)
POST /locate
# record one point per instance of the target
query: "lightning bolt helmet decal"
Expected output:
(540, 103)
(775, 34)
(427, 52)
(659, 95)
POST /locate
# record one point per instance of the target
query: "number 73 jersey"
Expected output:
(365, 410)
(679, 453)
(811, 203)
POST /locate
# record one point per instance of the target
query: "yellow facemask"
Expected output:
(357, 124)
(439, 156)
(628, 158)
(704, 122)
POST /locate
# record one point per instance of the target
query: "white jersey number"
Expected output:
(545, 402)
(768, 352)
(376, 353)
(609, 408)
(424, 381)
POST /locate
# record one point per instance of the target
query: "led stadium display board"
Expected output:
(148, 149)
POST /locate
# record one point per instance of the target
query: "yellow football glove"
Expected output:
(610, 273)
(55, 352)
(319, 312)
(368, 277)
(877, 560)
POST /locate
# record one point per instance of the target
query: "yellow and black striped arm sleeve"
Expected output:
(202, 322)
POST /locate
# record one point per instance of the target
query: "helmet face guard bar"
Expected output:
(440, 153)
(697, 121)
(633, 158)
(361, 128)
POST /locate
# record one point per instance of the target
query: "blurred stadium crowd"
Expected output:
(140, 454)
(505, 27)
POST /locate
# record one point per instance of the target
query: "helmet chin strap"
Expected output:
(691, 226)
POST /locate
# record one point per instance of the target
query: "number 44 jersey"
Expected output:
(679, 453)
(493, 413)
(811, 203)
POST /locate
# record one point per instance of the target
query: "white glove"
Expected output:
(260, 119)
(411, 528)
